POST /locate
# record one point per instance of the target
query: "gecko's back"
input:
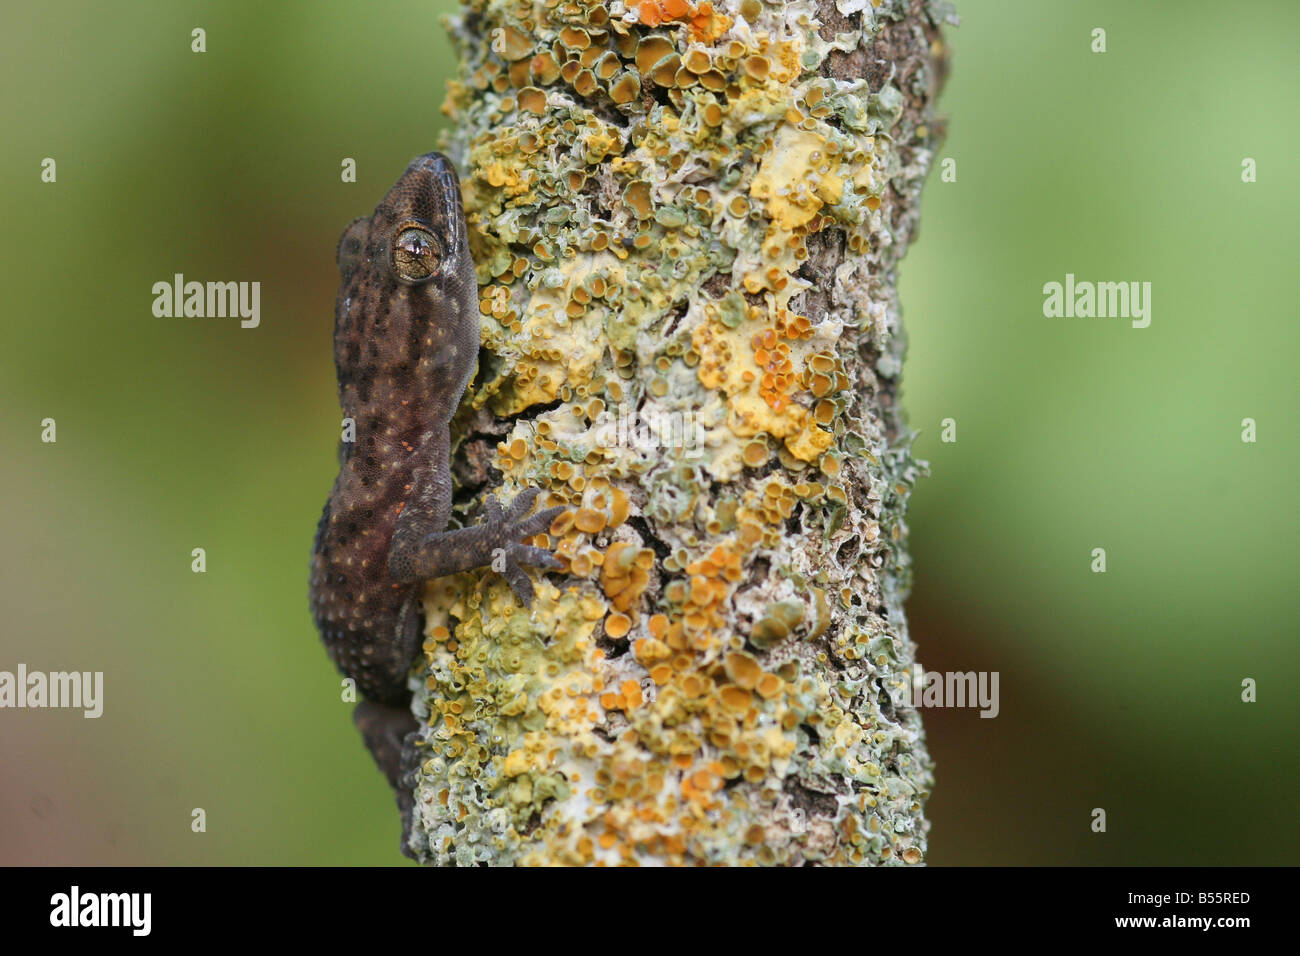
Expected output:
(404, 350)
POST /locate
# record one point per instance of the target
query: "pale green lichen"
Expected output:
(712, 680)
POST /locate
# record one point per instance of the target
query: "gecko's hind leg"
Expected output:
(390, 734)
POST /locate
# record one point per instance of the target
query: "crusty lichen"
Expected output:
(715, 677)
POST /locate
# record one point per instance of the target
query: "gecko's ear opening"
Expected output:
(351, 251)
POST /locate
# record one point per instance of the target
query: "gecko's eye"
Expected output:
(416, 254)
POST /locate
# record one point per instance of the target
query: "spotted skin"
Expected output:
(406, 339)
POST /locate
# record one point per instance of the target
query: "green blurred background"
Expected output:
(1118, 690)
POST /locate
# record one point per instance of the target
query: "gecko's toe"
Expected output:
(522, 504)
(536, 524)
(519, 582)
(536, 557)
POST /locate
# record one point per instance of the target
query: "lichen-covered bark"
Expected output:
(690, 214)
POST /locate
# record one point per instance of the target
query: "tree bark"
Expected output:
(687, 218)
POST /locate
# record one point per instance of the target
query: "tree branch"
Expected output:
(687, 218)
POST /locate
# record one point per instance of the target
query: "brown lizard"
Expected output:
(406, 340)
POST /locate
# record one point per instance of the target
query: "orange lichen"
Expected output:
(626, 573)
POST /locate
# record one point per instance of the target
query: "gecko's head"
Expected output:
(417, 233)
(426, 230)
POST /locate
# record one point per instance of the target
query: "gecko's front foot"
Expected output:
(510, 556)
(494, 542)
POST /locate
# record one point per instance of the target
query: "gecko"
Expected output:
(406, 341)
